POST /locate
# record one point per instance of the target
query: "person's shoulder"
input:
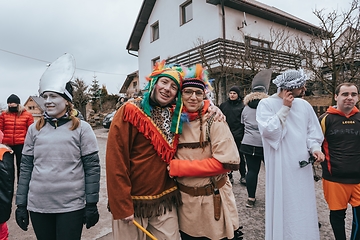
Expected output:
(85, 125)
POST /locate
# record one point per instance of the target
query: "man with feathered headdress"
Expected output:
(142, 140)
(290, 130)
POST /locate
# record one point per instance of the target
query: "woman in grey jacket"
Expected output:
(251, 145)
(59, 171)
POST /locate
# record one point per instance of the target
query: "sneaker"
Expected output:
(250, 203)
(243, 181)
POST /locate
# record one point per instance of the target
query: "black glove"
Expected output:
(91, 216)
(22, 217)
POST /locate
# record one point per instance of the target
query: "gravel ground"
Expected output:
(252, 219)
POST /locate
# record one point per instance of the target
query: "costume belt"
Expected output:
(202, 191)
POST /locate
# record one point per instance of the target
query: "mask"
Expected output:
(13, 109)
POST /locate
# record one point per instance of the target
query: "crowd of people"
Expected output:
(170, 157)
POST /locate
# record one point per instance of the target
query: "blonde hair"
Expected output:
(75, 121)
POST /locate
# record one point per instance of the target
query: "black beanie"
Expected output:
(235, 89)
(13, 99)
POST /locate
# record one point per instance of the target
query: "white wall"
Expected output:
(174, 39)
(206, 24)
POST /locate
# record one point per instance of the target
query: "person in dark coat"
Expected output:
(232, 109)
(6, 186)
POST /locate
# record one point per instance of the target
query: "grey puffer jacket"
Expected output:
(6, 182)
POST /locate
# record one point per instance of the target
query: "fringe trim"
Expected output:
(157, 207)
(231, 166)
(193, 145)
(146, 126)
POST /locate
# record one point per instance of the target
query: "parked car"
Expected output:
(108, 119)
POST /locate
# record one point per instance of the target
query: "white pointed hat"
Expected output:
(58, 75)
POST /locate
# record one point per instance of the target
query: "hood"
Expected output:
(254, 96)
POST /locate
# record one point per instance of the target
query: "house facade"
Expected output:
(131, 86)
(35, 105)
(234, 39)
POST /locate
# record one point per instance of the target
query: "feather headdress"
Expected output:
(175, 73)
(197, 76)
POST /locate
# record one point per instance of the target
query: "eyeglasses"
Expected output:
(304, 163)
(190, 92)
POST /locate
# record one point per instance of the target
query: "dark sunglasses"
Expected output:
(304, 163)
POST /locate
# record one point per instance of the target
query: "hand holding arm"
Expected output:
(219, 116)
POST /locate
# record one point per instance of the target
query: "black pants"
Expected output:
(253, 166)
(337, 221)
(17, 153)
(242, 168)
(58, 226)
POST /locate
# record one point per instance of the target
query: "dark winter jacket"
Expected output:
(6, 182)
(232, 110)
(14, 125)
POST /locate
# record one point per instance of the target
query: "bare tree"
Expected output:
(236, 63)
(335, 59)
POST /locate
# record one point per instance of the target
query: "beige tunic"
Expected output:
(196, 215)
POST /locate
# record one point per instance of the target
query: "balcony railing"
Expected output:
(236, 54)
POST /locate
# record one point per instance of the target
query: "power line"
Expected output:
(36, 59)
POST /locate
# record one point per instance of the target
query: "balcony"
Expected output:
(237, 55)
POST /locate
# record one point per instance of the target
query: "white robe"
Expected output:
(288, 134)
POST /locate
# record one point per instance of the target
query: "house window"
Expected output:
(257, 42)
(186, 12)
(155, 31)
(155, 60)
(134, 84)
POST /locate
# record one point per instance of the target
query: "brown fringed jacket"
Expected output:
(137, 154)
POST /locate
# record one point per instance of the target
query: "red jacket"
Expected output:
(15, 125)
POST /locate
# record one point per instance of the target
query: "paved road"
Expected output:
(252, 219)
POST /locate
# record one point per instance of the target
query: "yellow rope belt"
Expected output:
(156, 196)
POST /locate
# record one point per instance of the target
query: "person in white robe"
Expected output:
(290, 132)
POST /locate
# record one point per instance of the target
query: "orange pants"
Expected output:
(338, 195)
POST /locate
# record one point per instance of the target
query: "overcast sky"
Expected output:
(34, 33)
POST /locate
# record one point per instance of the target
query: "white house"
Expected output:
(175, 30)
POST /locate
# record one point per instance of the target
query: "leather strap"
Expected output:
(202, 191)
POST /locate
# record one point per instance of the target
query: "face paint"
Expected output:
(55, 105)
